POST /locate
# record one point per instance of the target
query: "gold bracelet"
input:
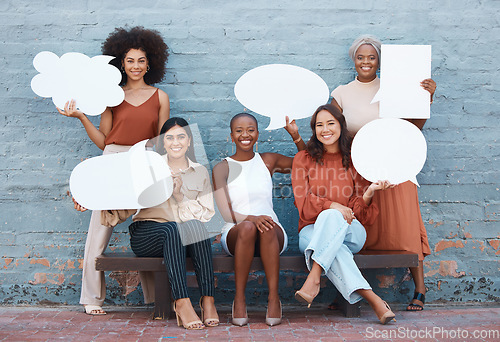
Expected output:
(298, 139)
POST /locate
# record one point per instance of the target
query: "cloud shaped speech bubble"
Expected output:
(91, 82)
(130, 180)
(278, 90)
(389, 149)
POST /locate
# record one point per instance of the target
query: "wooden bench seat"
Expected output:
(123, 261)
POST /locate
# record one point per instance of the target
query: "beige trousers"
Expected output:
(93, 282)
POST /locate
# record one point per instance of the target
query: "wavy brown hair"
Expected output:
(121, 40)
(316, 149)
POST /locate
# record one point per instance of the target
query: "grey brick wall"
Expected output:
(212, 43)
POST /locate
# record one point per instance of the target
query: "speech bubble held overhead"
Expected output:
(92, 82)
(389, 149)
(279, 90)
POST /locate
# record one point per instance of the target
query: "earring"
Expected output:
(123, 70)
(232, 148)
(147, 69)
(257, 146)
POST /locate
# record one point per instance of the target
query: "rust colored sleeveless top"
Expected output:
(132, 124)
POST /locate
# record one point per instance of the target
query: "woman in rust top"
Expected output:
(332, 208)
(141, 56)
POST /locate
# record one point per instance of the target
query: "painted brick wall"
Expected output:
(212, 43)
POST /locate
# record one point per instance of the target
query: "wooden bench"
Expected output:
(122, 261)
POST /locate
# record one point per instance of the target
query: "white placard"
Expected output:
(92, 82)
(402, 68)
(279, 90)
(389, 149)
(130, 180)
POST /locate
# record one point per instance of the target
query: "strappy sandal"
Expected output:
(209, 322)
(93, 310)
(416, 307)
(194, 325)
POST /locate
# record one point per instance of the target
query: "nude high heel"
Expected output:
(209, 322)
(306, 298)
(388, 315)
(271, 321)
(239, 321)
(194, 325)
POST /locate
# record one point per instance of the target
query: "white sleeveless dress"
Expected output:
(250, 189)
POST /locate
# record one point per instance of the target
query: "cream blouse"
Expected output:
(354, 98)
(197, 204)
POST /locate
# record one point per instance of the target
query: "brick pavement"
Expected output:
(299, 324)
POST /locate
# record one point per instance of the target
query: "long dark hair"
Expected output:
(316, 149)
(175, 121)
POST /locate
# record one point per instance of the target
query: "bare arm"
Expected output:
(276, 162)
(96, 135)
(293, 130)
(164, 113)
(221, 195)
(380, 185)
(219, 176)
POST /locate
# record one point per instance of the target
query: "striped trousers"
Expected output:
(163, 239)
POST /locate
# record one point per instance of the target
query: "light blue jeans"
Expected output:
(331, 242)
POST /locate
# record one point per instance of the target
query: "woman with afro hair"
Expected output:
(141, 56)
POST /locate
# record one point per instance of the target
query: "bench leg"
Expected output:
(349, 310)
(163, 308)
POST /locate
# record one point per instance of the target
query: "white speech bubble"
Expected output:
(278, 90)
(130, 180)
(402, 68)
(92, 82)
(389, 149)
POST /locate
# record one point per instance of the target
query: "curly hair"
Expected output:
(120, 41)
(316, 149)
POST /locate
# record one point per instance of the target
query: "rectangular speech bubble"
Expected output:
(402, 68)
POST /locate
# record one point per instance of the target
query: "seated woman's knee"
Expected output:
(269, 235)
(247, 230)
(170, 229)
(331, 214)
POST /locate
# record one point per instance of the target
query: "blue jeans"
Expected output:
(331, 243)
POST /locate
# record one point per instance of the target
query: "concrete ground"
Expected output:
(436, 323)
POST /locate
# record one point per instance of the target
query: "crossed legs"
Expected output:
(312, 285)
(329, 245)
